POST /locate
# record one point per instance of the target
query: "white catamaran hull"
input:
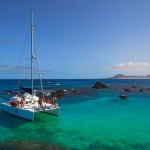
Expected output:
(54, 112)
(19, 112)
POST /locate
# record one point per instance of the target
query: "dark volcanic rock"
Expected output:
(127, 90)
(99, 85)
(58, 93)
(8, 92)
(141, 90)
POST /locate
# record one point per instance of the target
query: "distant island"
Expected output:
(121, 76)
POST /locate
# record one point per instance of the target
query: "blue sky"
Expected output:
(78, 38)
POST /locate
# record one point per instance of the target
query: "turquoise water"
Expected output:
(101, 121)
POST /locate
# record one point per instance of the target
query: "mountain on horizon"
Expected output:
(121, 76)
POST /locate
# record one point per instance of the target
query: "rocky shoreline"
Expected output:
(86, 91)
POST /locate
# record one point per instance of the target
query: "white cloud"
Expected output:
(141, 67)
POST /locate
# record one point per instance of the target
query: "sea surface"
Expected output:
(99, 121)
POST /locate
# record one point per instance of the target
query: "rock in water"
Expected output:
(58, 93)
(99, 85)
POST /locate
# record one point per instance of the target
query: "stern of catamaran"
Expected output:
(53, 111)
(48, 108)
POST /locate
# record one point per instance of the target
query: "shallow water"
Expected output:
(98, 122)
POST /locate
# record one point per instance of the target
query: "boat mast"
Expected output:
(32, 56)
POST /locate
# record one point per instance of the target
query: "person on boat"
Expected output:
(54, 99)
(40, 102)
(22, 102)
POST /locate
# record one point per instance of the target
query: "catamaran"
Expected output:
(25, 105)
